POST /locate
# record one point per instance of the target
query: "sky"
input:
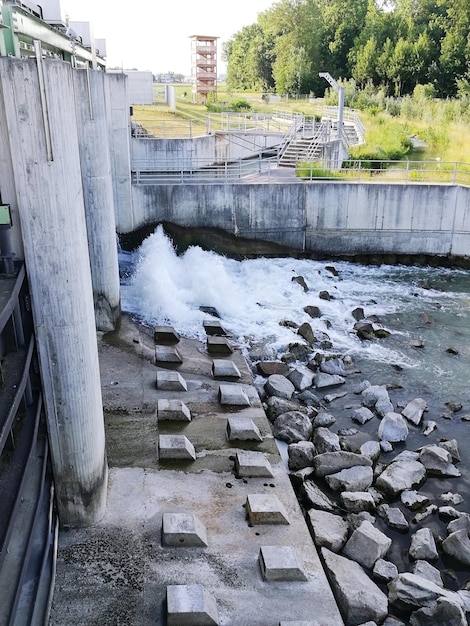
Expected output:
(155, 34)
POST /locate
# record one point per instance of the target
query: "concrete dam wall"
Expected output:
(321, 219)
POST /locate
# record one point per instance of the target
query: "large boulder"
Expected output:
(366, 545)
(325, 440)
(409, 592)
(438, 461)
(359, 598)
(332, 462)
(442, 611)
(371, 394)
(300, 455)
(276, 406)
(323, 380)
(423, 546)
(292, 427)
(301, 378)
(400, 476)
(358, 478)
(457, 545)
(393, 428)
(313, 496)
(329, 530)
(414, 410)
(278, 385)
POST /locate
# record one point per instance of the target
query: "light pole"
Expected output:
(340, 91)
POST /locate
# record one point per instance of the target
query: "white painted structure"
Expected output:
(139, 85)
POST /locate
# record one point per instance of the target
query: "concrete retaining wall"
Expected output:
(324, 218)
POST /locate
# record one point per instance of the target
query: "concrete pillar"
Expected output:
(39, 109)
(117, 103)
(98, 195)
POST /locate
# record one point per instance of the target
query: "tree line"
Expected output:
(393, 45)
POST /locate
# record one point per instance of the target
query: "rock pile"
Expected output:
(386, 546)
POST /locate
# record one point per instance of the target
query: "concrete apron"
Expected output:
(126, 570)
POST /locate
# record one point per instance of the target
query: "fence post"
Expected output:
(455, 172)
(407, 169)
(359, 171)
(190, 129)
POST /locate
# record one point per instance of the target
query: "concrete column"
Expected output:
(117, 103)
(98, 195)
(39, 109)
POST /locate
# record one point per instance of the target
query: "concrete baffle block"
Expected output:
(218, 345)
(190, 605)
(165, 334)
(183, 530)
(168, 354)
(171, 381)
(249, 463)
(242, 429)
(177, 447)
(213, 327)
(279, 563)
(225, 368)
(265, 509)
(233, 395)
(173, 410)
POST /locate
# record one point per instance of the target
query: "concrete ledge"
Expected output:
(233, 395)
(171, 381)
(173, 410)
(218, 345)
(214, 327)
(165, 334)
(248, 463)
(176, 447)
(183, 530)
(225, 368)
(279, 563)
(242, 429)
(190, 605)
(167, 354)
(265, 509)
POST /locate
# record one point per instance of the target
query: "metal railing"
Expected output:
(188, 170)
(435, 171)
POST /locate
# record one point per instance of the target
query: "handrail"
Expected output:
(389, 172)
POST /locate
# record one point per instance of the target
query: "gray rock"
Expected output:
(452, 446)
(277, 406)
(312, 310)
(366, 545)
(300, 455)
(309, 398)
(461, 523)
(370, 449)
(356, 519)
(423, 546)
(333, 366)
(409, 591)
(400, 476)
(371, 394)
(359, 388)
(457, 545)
(347, 577)
(393, 428)
(357, 478)
(325, 440)
(383, 406)
(429, 427)
(292, 427)
(384, 571)
(306, 331)
(323, 419)
(395, 519)
(420, 516)
(313, 496)
(414, 410)
(450, 513)
(443, 611)
(362, 415)
(451, 498)
(406, 455)
(357, 501)
(332, 462)
(438, 461)
(413, 500)
(331, 397)
(278, 385)
(323, 381)
(428, 571)
(301, 378)
(386, 446)
(393, 621)
(329, 531)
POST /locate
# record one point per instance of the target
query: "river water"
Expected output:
(417, 305)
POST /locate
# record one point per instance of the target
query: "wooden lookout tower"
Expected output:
(203, 67)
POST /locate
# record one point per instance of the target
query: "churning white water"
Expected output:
(254, 297)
